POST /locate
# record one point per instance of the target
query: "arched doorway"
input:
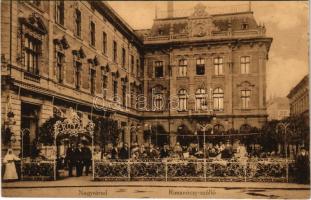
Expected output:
(159, 136)
(184, 136)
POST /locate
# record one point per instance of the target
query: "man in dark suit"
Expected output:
(114, 152)
(124, 152)
(164, 153)
(79, 159)
(70, 159)
(86, 158)
(303, 166)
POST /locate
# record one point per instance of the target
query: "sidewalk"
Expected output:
(87, 182)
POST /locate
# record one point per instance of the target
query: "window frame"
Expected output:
(104, 42)
(92, 33)
(158, 65)
(182, 100)
(32, 52)
(245, 98)
(245, 64)
(115, 51)
(200, 98)
(218, 96)
(182, 67)
(78, 22)
(60, 12)
(218, 65)
(200, 66)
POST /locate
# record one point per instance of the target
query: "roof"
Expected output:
(294, 90)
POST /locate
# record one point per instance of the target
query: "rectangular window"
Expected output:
(78, 66)
(92, 26)
(60, 9)
(32, 50)
(245, 62)
(105, 85)
(78, 22)
(115, 90)
(158, 69)
(200, 66)
(104, 42)
(124, 95)
(59, 66)
(114, 51)
(137, 68)
(123, 58)
(132, 65)
(92, 79)
(245, 97)
(218, 66)
(182, 69)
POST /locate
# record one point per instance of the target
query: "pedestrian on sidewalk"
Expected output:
(9, 159)
(79, 160)
(87, 158)
(70, 159)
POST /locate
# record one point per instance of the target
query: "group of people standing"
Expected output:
(78, 156)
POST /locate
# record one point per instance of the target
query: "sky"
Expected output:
(286, 22)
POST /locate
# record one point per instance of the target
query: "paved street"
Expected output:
(83, 187)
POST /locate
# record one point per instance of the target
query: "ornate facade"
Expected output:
(182, 71)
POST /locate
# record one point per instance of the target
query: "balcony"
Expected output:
(214, 35)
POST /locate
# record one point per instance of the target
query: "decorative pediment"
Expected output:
(116, 74)
(62, 43)
(106, 68)
(79, 53)
(35, 23)
(245, 84)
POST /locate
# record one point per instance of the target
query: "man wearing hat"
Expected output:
(303, 166)
(87, 157)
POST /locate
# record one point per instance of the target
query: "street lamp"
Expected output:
(285, 127)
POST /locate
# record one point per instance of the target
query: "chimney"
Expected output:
(170, 9)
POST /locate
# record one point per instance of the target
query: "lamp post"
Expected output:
(285, 127)
(205, 127)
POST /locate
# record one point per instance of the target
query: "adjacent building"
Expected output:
(299, 99)
(184, 73)
(278, 108)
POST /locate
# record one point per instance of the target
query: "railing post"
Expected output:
(54, 169)
(286, 163)
(166, 171)
(129, 169)
(204, 169)
(245, 174)
(93, 168)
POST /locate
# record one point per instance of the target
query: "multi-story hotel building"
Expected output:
(183, 71)
(299, 99)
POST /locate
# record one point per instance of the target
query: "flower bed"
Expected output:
(37, 170)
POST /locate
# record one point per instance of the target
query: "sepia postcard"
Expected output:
(155, 99)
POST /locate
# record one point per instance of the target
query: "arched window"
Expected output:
(158, 98)
(245, 128)
(218, 99)
(219, 129)
(200, 99)
(182, 69)
(182, 100)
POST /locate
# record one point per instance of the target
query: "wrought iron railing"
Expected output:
(270, 170)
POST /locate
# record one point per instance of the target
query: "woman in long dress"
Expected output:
(10, 173)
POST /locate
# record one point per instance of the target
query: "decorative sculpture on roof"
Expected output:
(199, 11)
